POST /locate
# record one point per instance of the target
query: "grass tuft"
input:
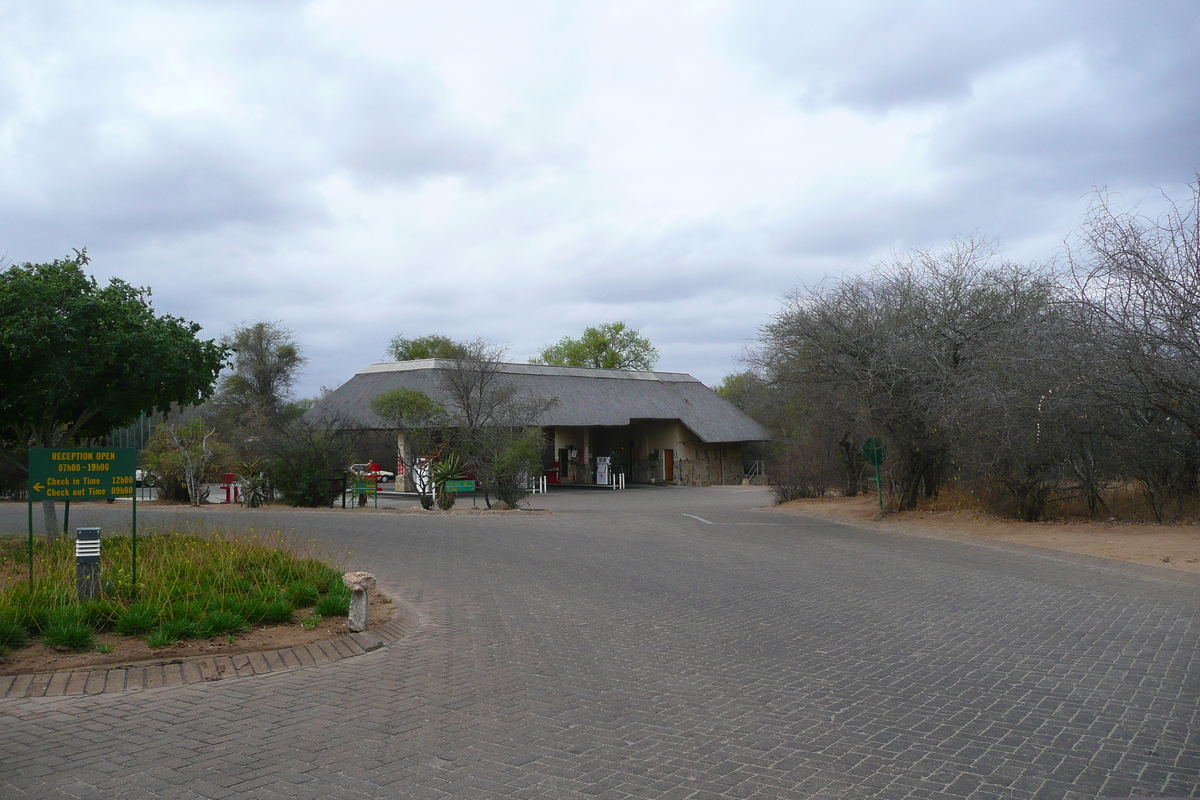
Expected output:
(12, 634)
(69, 635)
(302, 594)
(219, 622)
(136, 619)
(334, 604)
(279, 613)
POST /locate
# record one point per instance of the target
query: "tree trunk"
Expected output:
(50, 515)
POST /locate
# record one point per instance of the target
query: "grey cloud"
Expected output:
(86, 158)
(880, 56)
(385, 132)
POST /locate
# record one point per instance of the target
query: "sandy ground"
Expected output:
(127, 650)
(1170, 546)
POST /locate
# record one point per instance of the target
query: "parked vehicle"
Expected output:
(372, 471)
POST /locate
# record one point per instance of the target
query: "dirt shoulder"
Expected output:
(1170, 546)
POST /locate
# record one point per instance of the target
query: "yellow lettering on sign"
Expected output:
(70, 455)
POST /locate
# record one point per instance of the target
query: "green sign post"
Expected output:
(74, 474)
(454, 487)
(81, 474)
(365, 488)
(874, 453)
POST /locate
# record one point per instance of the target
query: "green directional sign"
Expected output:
(459, 486)
(77, 474)
(873, 451)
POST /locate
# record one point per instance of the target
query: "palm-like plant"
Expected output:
(450, 468)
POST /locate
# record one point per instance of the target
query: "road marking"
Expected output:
(709, 522)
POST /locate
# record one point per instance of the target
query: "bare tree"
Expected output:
(1138, 279)
(901, 351)
(495, 425)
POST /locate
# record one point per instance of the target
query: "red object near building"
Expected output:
(229, 484)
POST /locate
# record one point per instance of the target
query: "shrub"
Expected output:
(310, 488)
(794, 476)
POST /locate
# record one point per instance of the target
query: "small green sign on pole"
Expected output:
(874, 453)
(364, 489)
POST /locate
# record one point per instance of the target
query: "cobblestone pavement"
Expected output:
(668, 643)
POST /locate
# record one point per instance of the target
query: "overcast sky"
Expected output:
(522, 170)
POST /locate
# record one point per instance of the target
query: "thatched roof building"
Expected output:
(656, 426)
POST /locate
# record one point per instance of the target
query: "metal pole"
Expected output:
(31, 537)
(133, 531)
(66, 515)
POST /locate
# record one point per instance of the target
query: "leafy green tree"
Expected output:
(608, 346)
(266, 364)
(432, 346)
(78, 360)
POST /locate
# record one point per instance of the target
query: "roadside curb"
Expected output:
(205, 669)
(1111, 565)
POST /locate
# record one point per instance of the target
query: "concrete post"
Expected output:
(359, 583)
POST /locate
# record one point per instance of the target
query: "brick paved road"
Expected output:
(617, 648)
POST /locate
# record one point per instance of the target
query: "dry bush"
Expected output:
(801, 471)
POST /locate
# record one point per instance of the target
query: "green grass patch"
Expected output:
(302, 594)
(221, 622)
(69, 635)
(190, 583)
(12, 634)
(136, 619)
(334, 604)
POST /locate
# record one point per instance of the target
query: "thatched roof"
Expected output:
(586, 397)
